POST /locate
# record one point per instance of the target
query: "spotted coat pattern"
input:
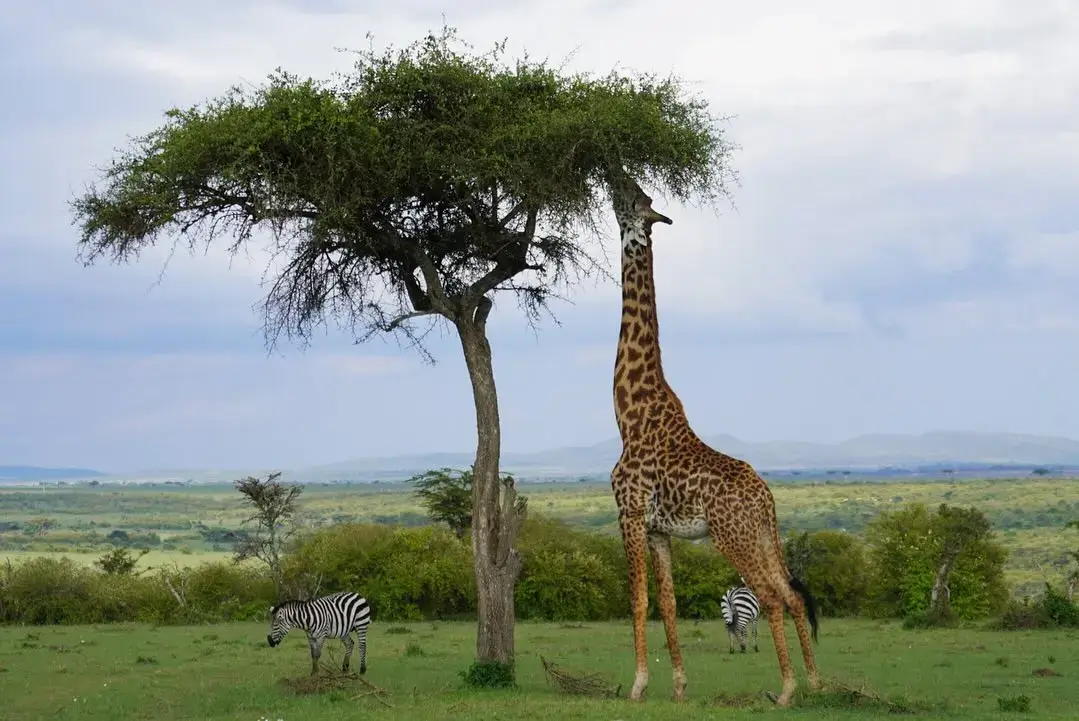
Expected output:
(668, 482)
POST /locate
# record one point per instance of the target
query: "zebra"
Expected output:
(336, 615)
(740, 608)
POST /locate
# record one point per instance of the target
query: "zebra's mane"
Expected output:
(290, 603)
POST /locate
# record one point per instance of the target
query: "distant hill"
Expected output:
(937, 448)
(23, 474)
(875, 454)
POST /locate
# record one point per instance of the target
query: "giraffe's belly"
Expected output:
(691, 524)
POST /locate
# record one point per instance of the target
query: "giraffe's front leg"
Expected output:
(633, 537)
(660, 547)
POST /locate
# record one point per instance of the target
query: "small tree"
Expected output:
(447, 496)
(928, 565)
(422, 184)
(1073, 577)
(274, 506)
(120, 561)
(958, 529)
(118, 537)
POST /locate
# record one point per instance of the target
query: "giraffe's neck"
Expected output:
(638, 370)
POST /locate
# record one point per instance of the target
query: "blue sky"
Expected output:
(902, 255)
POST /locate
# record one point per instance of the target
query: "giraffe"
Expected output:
(668, 482)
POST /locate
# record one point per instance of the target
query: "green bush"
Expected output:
(905, 550)
(1051, 610)
(834, 566)
(405, 573)
(569, 574)
(701, 576)
(1024, 615)
(47, 590)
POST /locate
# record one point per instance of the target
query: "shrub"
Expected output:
(1024, 615)
(46, 590)
(406, 574)
(701, 576)
(489, 674)
(905, 548)
(569, 574)
(833, 565)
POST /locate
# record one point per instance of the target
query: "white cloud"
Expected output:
(1052, 253)
(840, 108)
(211, 407)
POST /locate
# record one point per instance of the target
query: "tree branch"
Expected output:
(512, 215)
(508, 264)
(392, 325)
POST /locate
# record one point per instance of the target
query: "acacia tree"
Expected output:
(273, 506)
(422, 183)
(447, 496)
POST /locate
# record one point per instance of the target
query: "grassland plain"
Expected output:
(227, 672)
(1028, 512)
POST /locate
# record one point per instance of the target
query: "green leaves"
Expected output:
(907, 548)
(421, 180)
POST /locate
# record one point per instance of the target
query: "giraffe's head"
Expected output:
(633, 209)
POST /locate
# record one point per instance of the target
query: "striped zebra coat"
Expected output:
(740, 609)
(334, 616)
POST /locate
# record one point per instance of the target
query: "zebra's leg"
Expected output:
(316, 652)
(742, 637)
(730, 639)
(347, 640)
(755, 646)
(361, 636)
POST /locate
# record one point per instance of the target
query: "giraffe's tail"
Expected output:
(796, 584)
(810, 603)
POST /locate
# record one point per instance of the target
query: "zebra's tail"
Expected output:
(811, 603)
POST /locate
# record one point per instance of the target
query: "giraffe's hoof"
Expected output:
(679, 686)
(639, 685)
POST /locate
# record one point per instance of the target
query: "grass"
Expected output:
(154, 558)
(228, 672)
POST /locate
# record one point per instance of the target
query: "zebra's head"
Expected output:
(280, 623)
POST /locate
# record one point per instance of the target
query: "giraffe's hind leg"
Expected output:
(660, 548)
(755, 569)
(797, 607)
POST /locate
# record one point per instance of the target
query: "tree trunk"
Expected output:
(496, 516)
(940, 596)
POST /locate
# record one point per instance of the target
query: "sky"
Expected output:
(901, 254)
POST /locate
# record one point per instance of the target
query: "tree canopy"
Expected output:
(417, 183)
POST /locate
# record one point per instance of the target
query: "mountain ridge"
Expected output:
(865, 451)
